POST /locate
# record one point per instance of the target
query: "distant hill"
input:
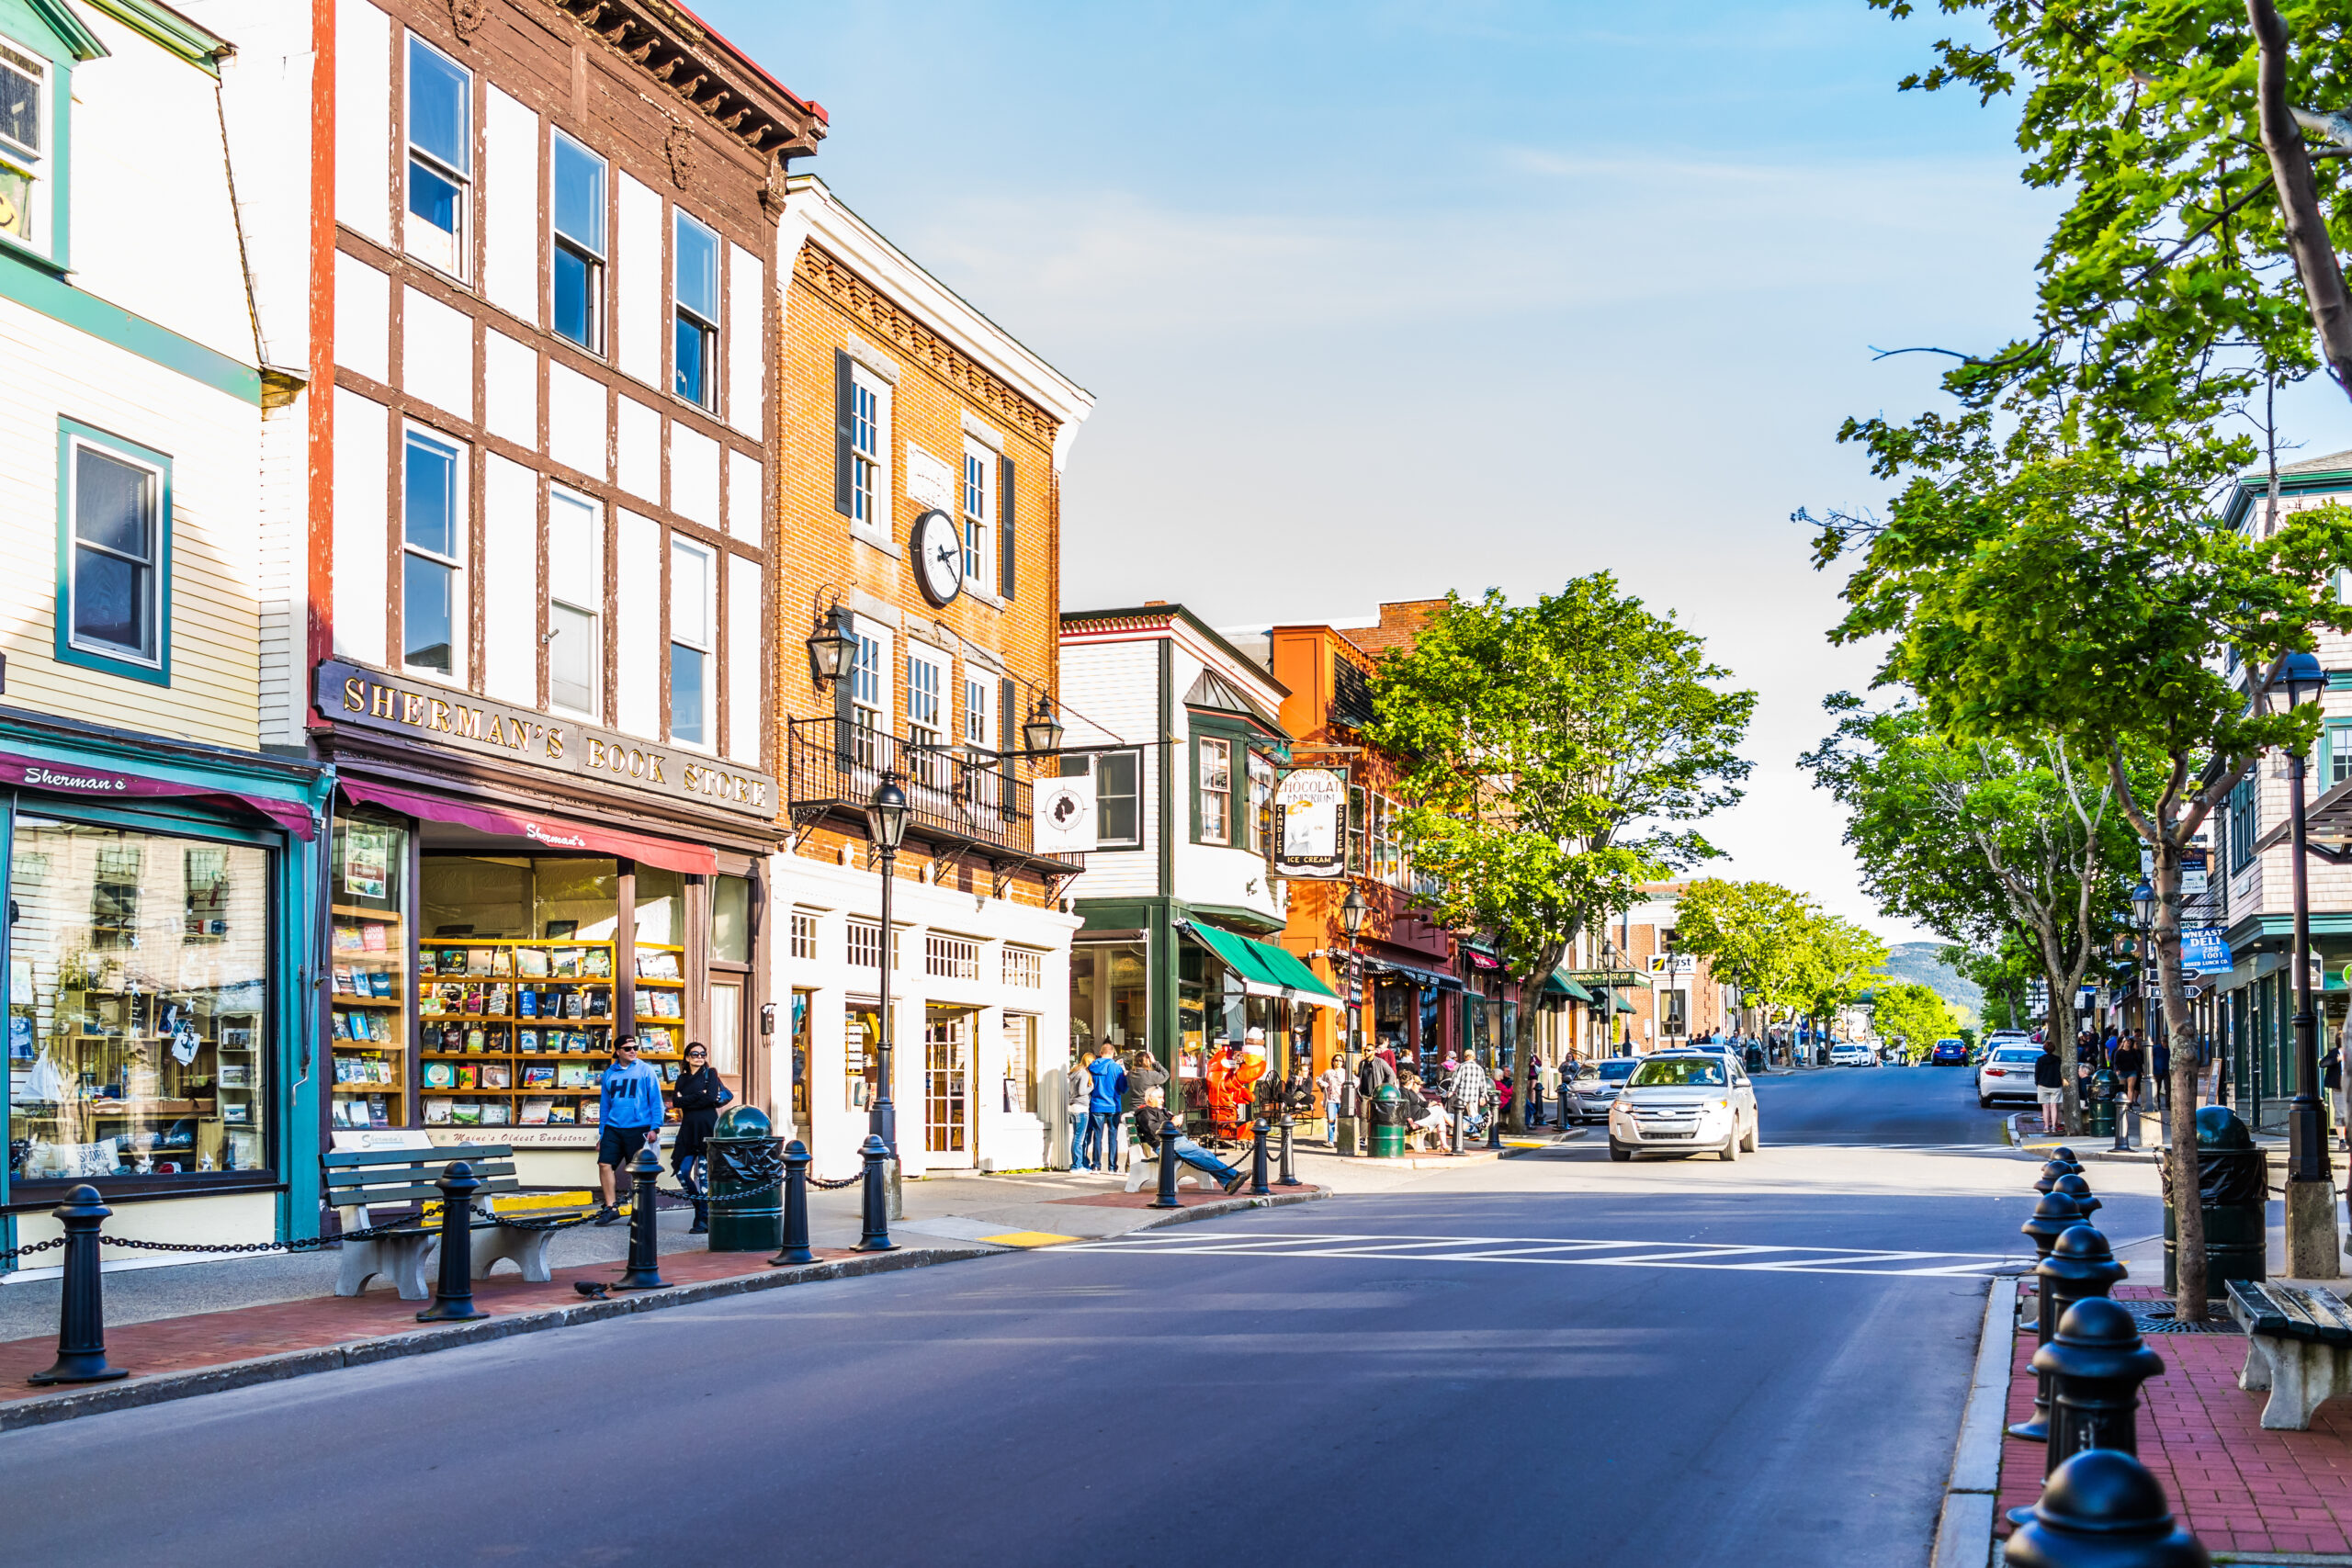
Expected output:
(1916, 961)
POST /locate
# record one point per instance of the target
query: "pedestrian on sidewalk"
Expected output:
(2163, 1066)
(1144, 1074)
(2130, 1063)
(1372, 1072)
(628, 1117)
(1334, 1085)
(1547, 1087)
(2050, 1087)
(1472, 1089)
(1078, 1090)
(1104, 1107)
(699, 1094)
(1157, 1131)
(2330, 1077)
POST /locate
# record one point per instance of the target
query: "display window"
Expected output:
(139, 998)
(368, 1018)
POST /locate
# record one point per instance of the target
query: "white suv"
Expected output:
(1684, 1102)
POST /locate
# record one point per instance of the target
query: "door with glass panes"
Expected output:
(946, 1086)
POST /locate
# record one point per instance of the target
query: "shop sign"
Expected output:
(355, 694)
(1617, 979)
(1309, 804)
(1674, 964)
(2203, 949)
(1065, 814)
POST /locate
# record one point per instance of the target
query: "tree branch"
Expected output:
(2299, 209)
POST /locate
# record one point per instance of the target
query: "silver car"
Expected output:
(1592, 1089)
(1685, 1102)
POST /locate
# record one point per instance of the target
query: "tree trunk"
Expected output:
(2188, 1213)
(2299, 209)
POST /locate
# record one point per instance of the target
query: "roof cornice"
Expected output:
(717, 80)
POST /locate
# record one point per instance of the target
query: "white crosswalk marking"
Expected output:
(1553, 1250)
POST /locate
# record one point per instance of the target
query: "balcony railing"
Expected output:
(834, 766)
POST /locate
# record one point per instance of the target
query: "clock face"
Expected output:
(939, 556)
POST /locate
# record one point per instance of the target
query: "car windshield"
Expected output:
(1682, 1072)
(1612, 1072)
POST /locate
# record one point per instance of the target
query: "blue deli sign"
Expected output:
(2203, 950)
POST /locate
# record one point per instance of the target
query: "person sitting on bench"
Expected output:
(1155, 1129)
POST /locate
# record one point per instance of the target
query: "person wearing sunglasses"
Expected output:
(700, 1094)
(629, 1115)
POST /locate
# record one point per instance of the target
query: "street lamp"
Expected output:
(886, 823)
(1351, 914)
(2311, 1244)
(1042, 732)
(829, 649)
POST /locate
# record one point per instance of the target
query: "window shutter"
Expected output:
(1004, 527)
(842, 419)
(843, 714)
(1007, 730)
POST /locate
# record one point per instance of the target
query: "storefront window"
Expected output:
(1020, 1062)
(520, 899)
(1128, 998)
(368, 887)
(661, 907)
(730, 920)
(800, 1037)
(138, 1005)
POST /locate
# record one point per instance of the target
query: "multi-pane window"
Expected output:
(22, 81)
(695, 354)
(975, 714)
(977, 466)
(1118, 797)
(433, 553)
(575, 622)
(865, 944)
(114, 579)
(576, 268)
(866, 691)
(1024, 968)
(693, 604)
(1216, 791)
(864, 451)
(925, 719)
(1258, 822)
(440, 156)
(2337, 755)
(803, 935)
(950, 957)
(1358, 810)
(2243, 824)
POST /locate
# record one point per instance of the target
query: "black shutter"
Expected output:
(1005, 735)
(844, 419)
(1004, 527)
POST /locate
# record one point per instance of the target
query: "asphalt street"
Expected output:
(1549, 1358)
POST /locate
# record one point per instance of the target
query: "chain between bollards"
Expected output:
(877, 1214)
(795, 1206)
(81, 1313)
(453, 1294)
(644, 1271)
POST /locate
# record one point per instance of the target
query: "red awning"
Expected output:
(101, 783)
(556, 833)
(1480, 961)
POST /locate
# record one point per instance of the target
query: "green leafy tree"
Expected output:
(1753, 935)
(1838, 959)
(2002, 973)
(1551, 750)
(1907, 1012)
(2032, 583)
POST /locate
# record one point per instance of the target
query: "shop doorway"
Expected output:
(946, 1086)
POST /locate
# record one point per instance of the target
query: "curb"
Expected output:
(1964, 1528)
(167, 1387)
(1235, 1206)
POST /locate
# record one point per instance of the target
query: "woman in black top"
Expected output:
(699, 1094)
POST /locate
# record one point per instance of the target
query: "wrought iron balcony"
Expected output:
(973, 800)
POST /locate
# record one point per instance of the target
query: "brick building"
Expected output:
(920, 450)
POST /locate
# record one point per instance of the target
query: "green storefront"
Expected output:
(2256, 1026)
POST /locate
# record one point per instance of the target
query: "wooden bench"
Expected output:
(402, 1172)
(1143, 1167)
(2298, 1346)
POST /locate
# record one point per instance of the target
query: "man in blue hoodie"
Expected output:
(629, 1115)
(1102, 1109)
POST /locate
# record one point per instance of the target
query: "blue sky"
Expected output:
(1383, 300)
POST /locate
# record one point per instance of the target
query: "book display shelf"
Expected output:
(369, 1045)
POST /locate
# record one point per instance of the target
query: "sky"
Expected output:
(1379, 300)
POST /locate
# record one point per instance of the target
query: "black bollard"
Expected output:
(2097, 1363)
(2051, 1169)
(795, 1206)
(1258, 1188)
(1165, 1198)
(1289, 1178)
(453, 1296)
(644, 1271)
(2074, 1187)
(1495, 1123)
(2054, 1216)
(2079, 1266)
(2102, 1509)
(81, 1312)
(876, 1236)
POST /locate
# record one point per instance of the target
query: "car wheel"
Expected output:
(1729, 1152)
(1983, 1103)
(1755, 1138)
(1618, 1151)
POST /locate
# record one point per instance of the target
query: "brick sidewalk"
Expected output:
(2238, 1487)
(212, 1339)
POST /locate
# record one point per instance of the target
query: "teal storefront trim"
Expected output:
(231, 798)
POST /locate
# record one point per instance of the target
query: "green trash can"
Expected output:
(1387, 1124)
(741, 1158)
(2233, 1178)
(2100, 1110)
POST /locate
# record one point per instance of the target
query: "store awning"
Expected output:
(1264, 969)
(1559, 984)
(695, 860)
(1425, 978)
(1625, 1006)
(104, 784)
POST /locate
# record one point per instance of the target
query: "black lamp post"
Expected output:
(2144, 921)
(1351, 914)
(2302, 679)
(886, 820)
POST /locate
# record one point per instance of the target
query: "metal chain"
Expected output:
(16, 1252)
(300, 1244)
(819, 1181)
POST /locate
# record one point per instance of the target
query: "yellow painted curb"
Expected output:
(1027, 1238)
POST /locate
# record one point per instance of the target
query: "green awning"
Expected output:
(1264, 969)
(1625, 1006)
(1559, 984)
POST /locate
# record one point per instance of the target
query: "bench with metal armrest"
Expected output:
(361, 1180)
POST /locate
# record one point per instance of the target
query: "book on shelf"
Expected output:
(342, 985)
(495, 1113)
(465, 1075)
(496, 1075)
(500, 1002)
(592, 1114)
(538, 1075)
(339, 1026)
(657, 966)
(526, 1040)
(571, 1074)
(477, 961)
(347, 938)
(372, 936)
(436, 1110)
(501, 961)
(531, 962)
(465, 1112)
(567, 963)
(561, 1113)
(596, 964)
(534, 1112)
(378, 1112)
(440, 1075)
(380, 982)
(339, 1114)
(527, 1002)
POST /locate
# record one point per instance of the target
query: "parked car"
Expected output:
(1685, 1102)
(1593, 1088)
(1948, 1053)
(1852, 1054)
(2006, 1074)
